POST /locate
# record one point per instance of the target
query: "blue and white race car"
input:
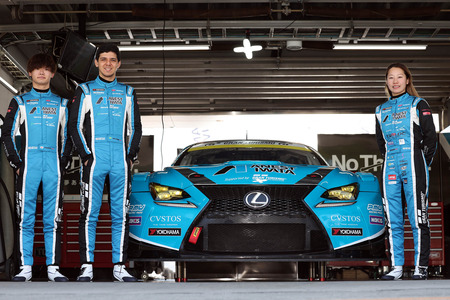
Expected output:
(255, 199)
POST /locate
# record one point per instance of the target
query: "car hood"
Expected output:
(256, 173)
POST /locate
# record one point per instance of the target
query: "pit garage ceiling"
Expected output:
(313, 77)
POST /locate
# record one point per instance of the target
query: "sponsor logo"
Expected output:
(98, 90)
(426, 112)
(347, 231)
(99, 100)
(341, 218)
(115, 100)
(274, 168)
(422, 211)
(377, 220)
(164, 231)
(164, 219)
(32, 100)
(137, 208)
(49, 110)
(385, 118)
(398, 116)
(375, 208)
(135, 221)
(256, 200)
(33, 110)
(392, 177)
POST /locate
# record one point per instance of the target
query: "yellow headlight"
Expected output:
(165, 193)
(348, 192)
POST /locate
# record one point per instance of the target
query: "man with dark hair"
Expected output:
(102, 113)
(41, 117)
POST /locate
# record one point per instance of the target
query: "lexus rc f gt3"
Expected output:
(255, 199)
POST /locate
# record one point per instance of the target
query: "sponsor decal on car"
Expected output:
(273, 168)
(377, 220)
(347, 231)
(375, 208)
(137, 208)
(164, 231)
(164, 219)
(341, 218)
(135, 221)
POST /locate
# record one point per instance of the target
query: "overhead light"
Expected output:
(165, 47)
(8, 85)
(379, 47)
(248, 49)
(294, 45)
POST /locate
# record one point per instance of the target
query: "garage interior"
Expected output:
(299, 69)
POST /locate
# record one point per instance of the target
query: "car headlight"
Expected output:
(347, 192)
(166, 193)
(169, 196)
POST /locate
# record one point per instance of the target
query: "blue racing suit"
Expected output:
(41, 117)
(407, 140)
(101, 115)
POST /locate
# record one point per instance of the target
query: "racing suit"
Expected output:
(41, 117)
(407, 140)
(101, 115)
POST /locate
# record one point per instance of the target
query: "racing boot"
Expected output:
(54, 275)
(396, 273)
(86, 273)
(121, 274)
(420, 273)
(25, 274)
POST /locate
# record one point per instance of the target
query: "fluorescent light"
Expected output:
(379, 47)
(165, 47)
(7, 85)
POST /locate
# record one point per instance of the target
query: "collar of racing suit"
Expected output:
(401, 96)
(100, 81)
(38, 93)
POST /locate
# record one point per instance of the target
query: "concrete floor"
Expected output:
(260, 290)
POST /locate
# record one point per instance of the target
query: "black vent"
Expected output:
(256, 238)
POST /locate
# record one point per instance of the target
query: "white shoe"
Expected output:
(395, 274)
(121, 274)
(86, 273)
(25, 274)
(54, 275)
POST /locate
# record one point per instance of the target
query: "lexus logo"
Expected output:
(257, 200)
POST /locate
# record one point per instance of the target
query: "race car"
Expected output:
(255, 199)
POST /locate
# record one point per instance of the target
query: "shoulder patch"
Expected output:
(19, 100)
(129, 90)
(417, 100)
(64, 102)
(85, 88)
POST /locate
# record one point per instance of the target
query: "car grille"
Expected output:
(285, 226)
(228, 200)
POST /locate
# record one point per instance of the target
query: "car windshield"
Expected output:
(220, 154)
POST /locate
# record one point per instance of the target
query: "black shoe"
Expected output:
(420, 273)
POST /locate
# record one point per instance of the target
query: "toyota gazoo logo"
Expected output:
(257, 200)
